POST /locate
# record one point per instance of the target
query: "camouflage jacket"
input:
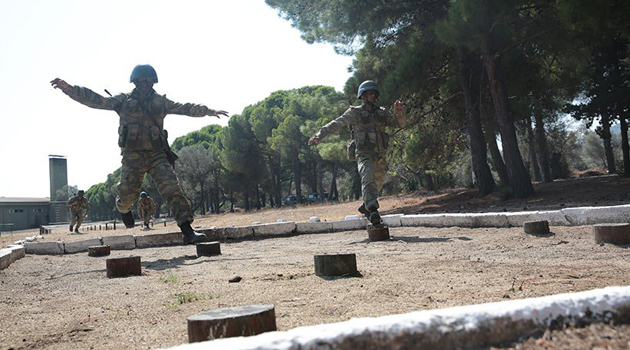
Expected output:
(78, 204)
(368, 127)
(146, 205)
(141, 119)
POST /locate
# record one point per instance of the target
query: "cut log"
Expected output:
(536, 227)
(378, 233)
(99, 250)
(208, 249)
(123, 267)
(336, 265)
(612, 233)
(232, 322)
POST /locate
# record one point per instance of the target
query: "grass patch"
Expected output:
(169, 278)
(189, 297)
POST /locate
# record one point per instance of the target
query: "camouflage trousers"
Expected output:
(145, 215)
(372, 169)
(134, 165)
(76, 218)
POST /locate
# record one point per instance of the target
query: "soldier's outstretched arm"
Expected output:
(86, 96)
(347, 118)
(192, 109)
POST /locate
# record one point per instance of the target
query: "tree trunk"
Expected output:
(624, 146)
(202, 199)
(520, 180)
(533, 158)
(478, 150)
(543, 151)
(334, 193)
(297, 175)
(257, 197)
(605, 134)
(320, 179)
(231, 201)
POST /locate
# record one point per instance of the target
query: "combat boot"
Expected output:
(375, 217)
(364, 211)
(128, 220)
(189, 235)
(71, 228)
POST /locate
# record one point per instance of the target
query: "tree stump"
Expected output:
(378, 233)
(208, 249)
(612, 233)
(536, 227)
(123, 267)
(99, 250)
(232, 322)
(336, 265)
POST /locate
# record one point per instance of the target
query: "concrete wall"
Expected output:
(19, 214)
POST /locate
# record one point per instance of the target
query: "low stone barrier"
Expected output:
(159, 240)
(472, 326)
(51, 248)
(120, 242)
(274, 229)
(81, 246)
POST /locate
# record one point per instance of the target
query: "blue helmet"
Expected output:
(143, 71)
(143, 194)
(367, 86)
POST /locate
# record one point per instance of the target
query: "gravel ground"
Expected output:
(67, 302)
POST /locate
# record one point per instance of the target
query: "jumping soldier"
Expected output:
(79, 208)
(144, 145)
(368, 123)
(146, 209)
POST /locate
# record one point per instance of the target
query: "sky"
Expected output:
(224, 54)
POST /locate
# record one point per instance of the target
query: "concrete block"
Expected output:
(52, 248)
(81, 246)
(274, 229)
(430, 220)
(119, 242)
(597, 215)
(313, 227)
(348, 225)
(392, 220)
(238, 232)
(5, 258)
(554, 217)
(352, 217)
(516, 219)
(159, 240)
(17, 252)
(314, 219)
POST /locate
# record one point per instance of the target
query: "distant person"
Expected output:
(369, 145)
(79, 208)
(146, 209)
(144, 144)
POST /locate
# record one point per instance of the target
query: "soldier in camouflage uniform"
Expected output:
(144, 144)
(79, 208)
(368, 123)
(146, 209)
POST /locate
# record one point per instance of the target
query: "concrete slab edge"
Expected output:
(458, 327)
(564, 217)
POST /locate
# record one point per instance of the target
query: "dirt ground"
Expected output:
(67, 302)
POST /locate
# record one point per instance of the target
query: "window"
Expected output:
(39, 210)
(12, 211)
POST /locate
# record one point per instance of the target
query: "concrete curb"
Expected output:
(472, 326)
(565, 217)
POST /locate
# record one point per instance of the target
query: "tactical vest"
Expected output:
(369, 131)
(141, 123)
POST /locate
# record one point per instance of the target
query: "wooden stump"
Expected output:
(378, 233)
(233, 322)
(99, 250)
(336, 265)
(536, 227)
(208, 249)
(123, 267)
(612, 233)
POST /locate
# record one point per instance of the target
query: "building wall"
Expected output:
(58, 169)
(23, 215)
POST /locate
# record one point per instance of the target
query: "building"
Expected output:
(22, 213)
(17, 213)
